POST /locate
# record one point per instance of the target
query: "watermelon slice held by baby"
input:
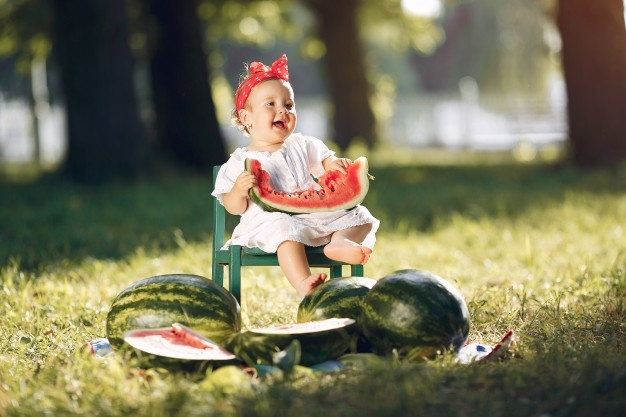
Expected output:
(337, 190)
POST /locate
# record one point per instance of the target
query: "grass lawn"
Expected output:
(532, 247)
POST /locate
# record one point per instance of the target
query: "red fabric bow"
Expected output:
(259, 73)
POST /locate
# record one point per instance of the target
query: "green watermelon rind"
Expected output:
(339, 297)
(256, 348)
(295, 205)
(191, 300)
(416, 314)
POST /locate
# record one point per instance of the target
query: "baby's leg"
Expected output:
(295, 266)
(345, 245)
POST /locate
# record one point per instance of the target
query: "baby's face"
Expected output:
(271, 111)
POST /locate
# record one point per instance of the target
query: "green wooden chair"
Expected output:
(235, 257)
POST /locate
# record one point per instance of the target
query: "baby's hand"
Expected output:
(339, 164)
(243, 183)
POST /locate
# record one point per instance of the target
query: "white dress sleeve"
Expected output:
(317, 151)
(228, 174)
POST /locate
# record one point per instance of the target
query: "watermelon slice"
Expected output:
(338, 191)
(319, 340)
(177, 342)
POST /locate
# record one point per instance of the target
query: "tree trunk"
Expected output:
(594, 64)
(346, 71)
(187, 128)
(105, 135)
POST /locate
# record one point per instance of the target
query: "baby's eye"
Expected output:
(290, 106)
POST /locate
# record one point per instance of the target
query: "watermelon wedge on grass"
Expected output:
(414, 314)
(177, 342)
(319, 341)
(336, 191)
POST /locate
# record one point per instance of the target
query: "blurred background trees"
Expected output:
(594, 65)
(90, 41)
(147, 82)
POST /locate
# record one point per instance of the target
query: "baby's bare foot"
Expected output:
(348, 252)
(309, 283)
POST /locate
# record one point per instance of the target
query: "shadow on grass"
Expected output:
(48, 223)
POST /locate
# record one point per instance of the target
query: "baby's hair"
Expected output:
(234, 117)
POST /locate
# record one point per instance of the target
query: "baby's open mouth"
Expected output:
(279, 124)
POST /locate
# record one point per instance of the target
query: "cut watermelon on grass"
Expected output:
(338, 191)
(177, 342)
(319, 341)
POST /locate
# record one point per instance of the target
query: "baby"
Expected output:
(265, 110)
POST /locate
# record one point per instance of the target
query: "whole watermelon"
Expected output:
(191, 300)
(416, 314)
(339, 297)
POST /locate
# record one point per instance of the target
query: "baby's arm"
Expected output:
(236, 200)
(332, 163)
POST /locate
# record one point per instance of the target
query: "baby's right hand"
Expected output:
(243, 183)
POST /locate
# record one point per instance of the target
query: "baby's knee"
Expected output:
(289, 245)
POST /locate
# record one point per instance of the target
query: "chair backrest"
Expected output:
(219, 217)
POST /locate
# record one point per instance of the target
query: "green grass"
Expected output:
(533, 248)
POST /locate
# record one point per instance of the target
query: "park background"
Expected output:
(483, 75)
(495, 130)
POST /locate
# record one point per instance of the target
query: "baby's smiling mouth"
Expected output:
(280, 124)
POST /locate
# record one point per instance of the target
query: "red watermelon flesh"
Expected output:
(338, 191)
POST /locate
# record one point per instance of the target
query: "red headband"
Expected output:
(257, 74)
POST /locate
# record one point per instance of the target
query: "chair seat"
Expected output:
(258, 252)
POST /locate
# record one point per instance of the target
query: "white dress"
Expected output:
(290, 170)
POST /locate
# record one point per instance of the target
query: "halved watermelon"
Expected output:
(320, 341)
(177, 342)
(338, 191)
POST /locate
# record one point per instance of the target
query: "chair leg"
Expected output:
(234, 276)
(218, 273)
(356, 270)
(336, 271)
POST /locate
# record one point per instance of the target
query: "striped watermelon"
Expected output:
(160, 301)
(416, 314)
(320, 341)
(339, 297)
(337, 191)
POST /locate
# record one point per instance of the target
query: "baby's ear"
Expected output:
(243, 116)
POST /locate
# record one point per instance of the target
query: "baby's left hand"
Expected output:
(339, 164)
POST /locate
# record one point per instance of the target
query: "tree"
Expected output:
(106, 138)
(346, 71)
(187, 127)
(594, 64)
